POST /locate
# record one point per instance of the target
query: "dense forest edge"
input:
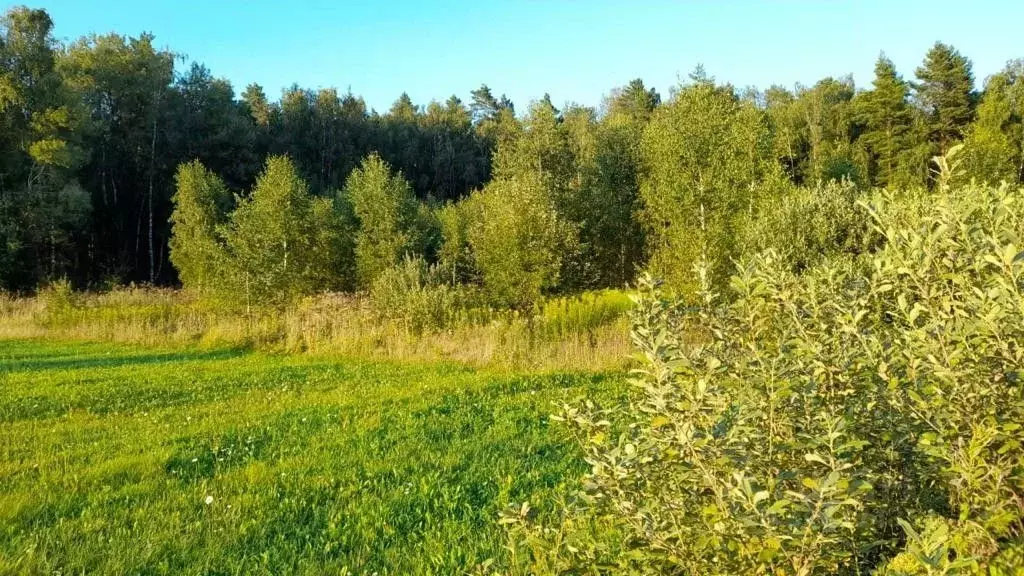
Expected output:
(114, 159)
(823, 286)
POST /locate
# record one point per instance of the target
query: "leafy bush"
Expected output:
(804, 225)
(863, 415)
(59, 299)
(415, 294)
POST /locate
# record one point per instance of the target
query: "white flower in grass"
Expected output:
(209, 500)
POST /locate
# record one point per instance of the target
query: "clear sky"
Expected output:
(575, 50)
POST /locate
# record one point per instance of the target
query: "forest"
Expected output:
(106, 139)
(722, 330)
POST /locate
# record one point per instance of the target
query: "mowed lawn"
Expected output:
(124, 460)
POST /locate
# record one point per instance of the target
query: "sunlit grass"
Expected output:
(118, 459)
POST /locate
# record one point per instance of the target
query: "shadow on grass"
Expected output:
(121, 359)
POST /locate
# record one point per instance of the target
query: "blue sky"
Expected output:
(575, 50)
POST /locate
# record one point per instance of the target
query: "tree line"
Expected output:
(116, 167)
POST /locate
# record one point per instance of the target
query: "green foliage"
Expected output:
(517, 240)
(455, 255)
(58, 299)
(43, 209)
(201, 205)
(416, 295)
(946, 92)
(887, 120)
(805, 225)
(282, 243)
(122, 83)
(826, 422)
(583, 313)
(705, 154)
(603, 194)
(387, 215)
(827, 110)
(988, 148)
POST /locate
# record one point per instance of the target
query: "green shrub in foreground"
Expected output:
(864, 416)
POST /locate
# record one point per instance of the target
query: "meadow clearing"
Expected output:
(703, 329)
(120, 459)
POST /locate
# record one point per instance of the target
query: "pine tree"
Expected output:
(887, 119)
(946, 94)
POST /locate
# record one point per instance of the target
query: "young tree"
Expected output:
(455, 255)
(387, 213)
(517, 240)
(201, 205)
(282, 242)
(989, 152)
(705, 153)
(946, 94)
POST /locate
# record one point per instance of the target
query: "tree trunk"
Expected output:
(152, 162)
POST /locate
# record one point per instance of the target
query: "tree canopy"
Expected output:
(118, 166)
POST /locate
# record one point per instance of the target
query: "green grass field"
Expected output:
(126, 460)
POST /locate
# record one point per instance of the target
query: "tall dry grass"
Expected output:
(587, 332)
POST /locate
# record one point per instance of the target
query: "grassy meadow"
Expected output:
(133, 459)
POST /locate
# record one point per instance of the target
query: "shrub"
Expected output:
(583, 313)
(414, 294)
(59, 299)
(864, 414)
(805, 225)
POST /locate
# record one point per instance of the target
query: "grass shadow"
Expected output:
(59, 361)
